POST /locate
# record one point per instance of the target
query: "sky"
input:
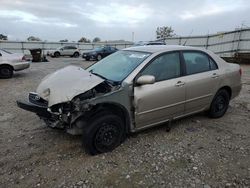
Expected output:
(53, 20)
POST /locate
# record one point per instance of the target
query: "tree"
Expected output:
(96, 39)
(3, 37)
(64, 40)
(164, 32)
(85, 40)
(32, 38)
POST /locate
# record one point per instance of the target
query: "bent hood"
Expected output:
(64, 84)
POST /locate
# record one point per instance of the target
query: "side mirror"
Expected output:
(145, 79)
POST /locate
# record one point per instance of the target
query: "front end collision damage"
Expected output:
(73, 112)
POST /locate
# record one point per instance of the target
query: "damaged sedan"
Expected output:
(134, 89)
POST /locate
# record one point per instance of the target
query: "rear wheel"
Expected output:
(76, 54)
(6, 71)
(103, 134)
(219, 104)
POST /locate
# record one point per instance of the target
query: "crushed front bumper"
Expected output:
(39, 110)
(36, 105)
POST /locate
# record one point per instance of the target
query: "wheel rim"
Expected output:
(220, 104)
(5, 72)
(106, 137)
(99, 57)
(76, 55)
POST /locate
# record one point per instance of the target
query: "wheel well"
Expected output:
(116, 109)
(228, 89)
(56, 52)
(6, 65)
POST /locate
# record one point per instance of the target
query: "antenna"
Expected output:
(188, 37)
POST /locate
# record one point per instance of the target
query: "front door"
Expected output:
(158, 102)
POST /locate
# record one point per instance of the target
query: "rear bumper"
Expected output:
(236, 91)
(21, 66)
(39, 110)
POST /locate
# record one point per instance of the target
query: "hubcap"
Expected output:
(106, 136)
(220, 104)
(5, 72)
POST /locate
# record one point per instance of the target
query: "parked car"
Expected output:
(146, 43)
(134, 89)
(10, 62)
(71, 51)
(99, 53)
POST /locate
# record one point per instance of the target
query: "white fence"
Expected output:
(224, 44)
(24, 46)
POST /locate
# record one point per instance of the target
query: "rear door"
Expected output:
(72, 50)
(202, 80)
(67, 50)
(156, 103)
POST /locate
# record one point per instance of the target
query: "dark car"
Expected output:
(99, 53)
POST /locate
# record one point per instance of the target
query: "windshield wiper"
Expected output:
(92, 72)
(107, 80)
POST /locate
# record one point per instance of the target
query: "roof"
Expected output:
(159, 48)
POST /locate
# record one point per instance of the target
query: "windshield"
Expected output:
(98, 49)
(119, 65)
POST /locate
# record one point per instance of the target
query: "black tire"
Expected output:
(87, 58)
(6, 71)
(98, 57)
(219, 104)
(56, 54)
(103, 133)
(76, 55)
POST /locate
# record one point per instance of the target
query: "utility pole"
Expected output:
(133, 36)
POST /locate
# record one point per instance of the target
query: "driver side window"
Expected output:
(164, 67)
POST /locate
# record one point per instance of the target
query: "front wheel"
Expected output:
(103, 134)
(57, 54)
(219, 104)
(99, 57)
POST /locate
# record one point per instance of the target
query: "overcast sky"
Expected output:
(53, 20)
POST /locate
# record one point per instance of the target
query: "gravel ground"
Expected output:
(197, 152)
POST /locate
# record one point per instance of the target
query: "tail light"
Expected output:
(240, 71)
(23, 58)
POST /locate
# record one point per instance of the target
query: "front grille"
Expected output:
(37, 100)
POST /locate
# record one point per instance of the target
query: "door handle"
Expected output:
(215, 75)
(179, 83)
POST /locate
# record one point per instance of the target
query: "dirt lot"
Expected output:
(197, 152)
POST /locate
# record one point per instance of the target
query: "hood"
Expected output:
(64, 84)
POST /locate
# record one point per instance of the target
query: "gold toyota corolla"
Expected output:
(134, 89)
